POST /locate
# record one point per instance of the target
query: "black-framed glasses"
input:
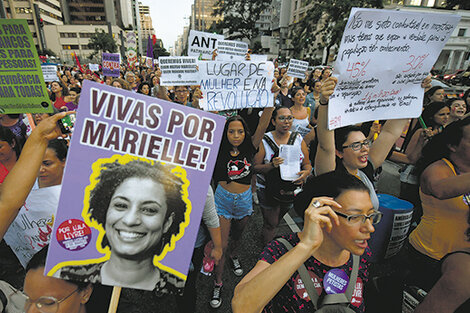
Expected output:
(375, 217)
(355, 146)
(289, 118)
(43, 304)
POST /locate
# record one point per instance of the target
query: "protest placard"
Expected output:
(201, 44)
(134, 187)
(236, 85)
(179, 71)
(258, 57)
(94, 67)
(231, 50)
(111, 63)
(49, 72)
(383, 58)
(22, 87)
(297, 68)
(31, 230)
(131, 45)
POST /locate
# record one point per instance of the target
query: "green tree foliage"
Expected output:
(100, 42)
(460, 4)
(240, 16)
(324, 24)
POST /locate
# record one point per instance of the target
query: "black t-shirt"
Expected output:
(235, 168)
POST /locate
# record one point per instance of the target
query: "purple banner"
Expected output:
(111, 64)
(134, 188)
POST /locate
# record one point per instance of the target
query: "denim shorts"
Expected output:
(271, 204)
(233, 205)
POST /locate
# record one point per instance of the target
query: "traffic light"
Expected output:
(41, 23)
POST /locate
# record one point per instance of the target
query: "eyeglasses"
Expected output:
(289, 118)
(375, 217)
(43, 304)
(355, 146)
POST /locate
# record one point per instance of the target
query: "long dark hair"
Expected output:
(428, 94)
(245, 147)
(7, 135)
(65, 91)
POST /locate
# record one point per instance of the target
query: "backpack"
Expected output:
(331, 303)
(277, 188)
(9, 302)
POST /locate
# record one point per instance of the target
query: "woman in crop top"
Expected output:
(233, 198)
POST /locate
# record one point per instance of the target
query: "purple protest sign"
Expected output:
(134, 189)
(111, 64)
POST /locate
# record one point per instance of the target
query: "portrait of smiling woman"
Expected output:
(140, 206)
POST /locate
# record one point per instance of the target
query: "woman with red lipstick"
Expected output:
(357, 155)
(337, 227)
(233, 198)
(274, 209)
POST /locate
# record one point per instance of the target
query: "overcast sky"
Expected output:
(169, 17)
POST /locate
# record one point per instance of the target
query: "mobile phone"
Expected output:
(66, 124)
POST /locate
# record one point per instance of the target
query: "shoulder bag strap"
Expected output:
(272, 145)
(347, 295)
(304, 275)
(292, 138)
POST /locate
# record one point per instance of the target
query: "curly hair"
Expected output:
(114, 174)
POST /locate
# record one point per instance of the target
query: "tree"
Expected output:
(462, 4)
(324, 24)
(100, 42)
(240, 17)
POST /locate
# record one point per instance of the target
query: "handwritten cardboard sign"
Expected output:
(201, 44)
(94, 67)
(383, 57)
(123, 144)
(297, 68)
(236, 85)
(111, 63)
(49, 72)
(22, 87)
(31, 230)
(231, 50)
(179, 71)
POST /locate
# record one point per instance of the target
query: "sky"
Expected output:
(168, 18)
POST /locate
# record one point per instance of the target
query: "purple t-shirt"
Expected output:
(293, 297)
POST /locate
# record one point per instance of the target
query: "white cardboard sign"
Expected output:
(297, 68)
(201, 44)
(231, 50)
(179, 71)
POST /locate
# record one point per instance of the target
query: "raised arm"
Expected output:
(20, 180)
(265, 280)
(325, 158)
(439, 181)
(262, 125)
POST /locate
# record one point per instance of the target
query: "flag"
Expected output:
(77, 61)
(149, 59)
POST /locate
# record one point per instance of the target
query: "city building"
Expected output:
(201, 14)
(146, 26)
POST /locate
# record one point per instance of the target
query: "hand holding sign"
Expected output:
(327, 89)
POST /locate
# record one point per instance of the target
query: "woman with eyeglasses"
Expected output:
(357, 155)
(266, 160)
(338, 223)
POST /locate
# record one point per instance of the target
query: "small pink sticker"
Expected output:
(73, 235)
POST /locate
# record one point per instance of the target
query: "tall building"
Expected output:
(146, 26)
(201, 14)
(37, 14)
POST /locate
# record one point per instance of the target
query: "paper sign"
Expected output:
(179, 71)
(291, 165)
(297, 68)
(236, 85)
(22, 87)
(94, 67)
(258, 58)
(383, 58)
(111, 64)
(134, 187)
(49, 72)
(231, 50)
(31, 230)
(201, 44)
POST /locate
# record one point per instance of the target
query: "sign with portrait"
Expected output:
(134, 189)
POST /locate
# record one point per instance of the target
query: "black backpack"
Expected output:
(276, 188)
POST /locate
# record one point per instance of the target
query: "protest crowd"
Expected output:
(333, 189)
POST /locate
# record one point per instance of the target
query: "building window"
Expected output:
(85, 47)
(70, 47)
(68, 35)
(86, 35)
(461, 32)
(23, 10)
